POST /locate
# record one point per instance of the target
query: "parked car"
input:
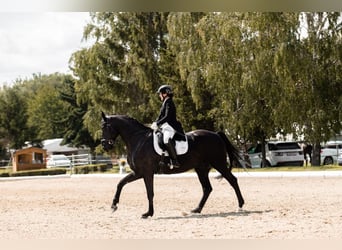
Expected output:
(330, 152)
(339, 159)
(58, 161)
(277, 153)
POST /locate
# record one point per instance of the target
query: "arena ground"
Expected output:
(78, 207)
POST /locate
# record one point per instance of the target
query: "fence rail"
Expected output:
(76, 160)
(81, 159)
(4, 163)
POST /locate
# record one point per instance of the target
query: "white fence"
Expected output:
(75, 160)
(5, 163)
(81, 159)
(86, 159)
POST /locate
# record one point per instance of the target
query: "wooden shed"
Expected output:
(29, 159)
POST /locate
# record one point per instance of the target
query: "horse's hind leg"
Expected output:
(203, 175)
(127, 179)
(234, 183)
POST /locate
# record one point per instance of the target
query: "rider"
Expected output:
(167, 116)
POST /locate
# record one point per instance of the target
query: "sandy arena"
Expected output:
(78, 207)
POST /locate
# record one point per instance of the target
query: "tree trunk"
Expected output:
(316, 154)
(263, 153)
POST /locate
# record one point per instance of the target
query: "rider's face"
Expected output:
(162, 96)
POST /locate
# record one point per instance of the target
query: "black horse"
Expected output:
(206, 150)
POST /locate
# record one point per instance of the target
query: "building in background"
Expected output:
(53, 147)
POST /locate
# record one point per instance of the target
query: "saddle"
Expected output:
(181, 147)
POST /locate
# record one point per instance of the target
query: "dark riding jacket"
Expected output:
(168, 114)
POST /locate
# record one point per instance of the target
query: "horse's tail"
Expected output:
(232, 151)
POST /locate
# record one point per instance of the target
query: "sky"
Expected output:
(39, 42)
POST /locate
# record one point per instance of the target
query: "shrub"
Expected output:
(89, 168)
(51, 171)
(4, 174)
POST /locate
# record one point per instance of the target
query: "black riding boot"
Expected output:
(170, 147)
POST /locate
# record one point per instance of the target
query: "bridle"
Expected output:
(107, 143)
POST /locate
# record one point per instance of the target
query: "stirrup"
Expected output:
(172, 165)
(162, 161)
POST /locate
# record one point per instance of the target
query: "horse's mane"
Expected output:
(131, 120)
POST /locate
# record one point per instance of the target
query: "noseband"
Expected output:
(107, 142)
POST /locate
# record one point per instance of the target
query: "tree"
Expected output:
(228, 62)
(75, 132)
(13, 127)
(253, 75)
(45, 108)
(270, 36)
(120, 71)
(319, 78)
(185, 43)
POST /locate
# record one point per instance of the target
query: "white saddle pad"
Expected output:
(181, 146)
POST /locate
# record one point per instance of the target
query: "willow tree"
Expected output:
(185, 43)
(222, 51)
(242, 66)
(319, 78)
(229, 62)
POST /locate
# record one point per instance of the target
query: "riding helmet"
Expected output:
(165, 89)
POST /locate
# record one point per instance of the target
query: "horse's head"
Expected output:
(109, 133)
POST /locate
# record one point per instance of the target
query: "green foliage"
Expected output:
(120, 72)
(46, 111)
(90, 168)
(199, 95)
(74, 130)
(14, 130)
(4, 174)
(320, 76)
(38, 172)
(252, 75)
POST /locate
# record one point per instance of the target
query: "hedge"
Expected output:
(5, 174)
(90, 168)
(50, 171)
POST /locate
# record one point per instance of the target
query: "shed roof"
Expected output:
(29, 150)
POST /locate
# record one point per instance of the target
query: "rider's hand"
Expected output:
(154, 126)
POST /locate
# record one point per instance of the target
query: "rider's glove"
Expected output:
(154, 126)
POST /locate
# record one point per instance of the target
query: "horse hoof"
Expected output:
(196, 211)
(145, 216)
(114, 208)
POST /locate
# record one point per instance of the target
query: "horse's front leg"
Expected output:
(148, 179)
(127, 179)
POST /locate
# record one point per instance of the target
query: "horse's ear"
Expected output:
(104, 117)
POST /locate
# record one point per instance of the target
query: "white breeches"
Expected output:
(168, 132)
